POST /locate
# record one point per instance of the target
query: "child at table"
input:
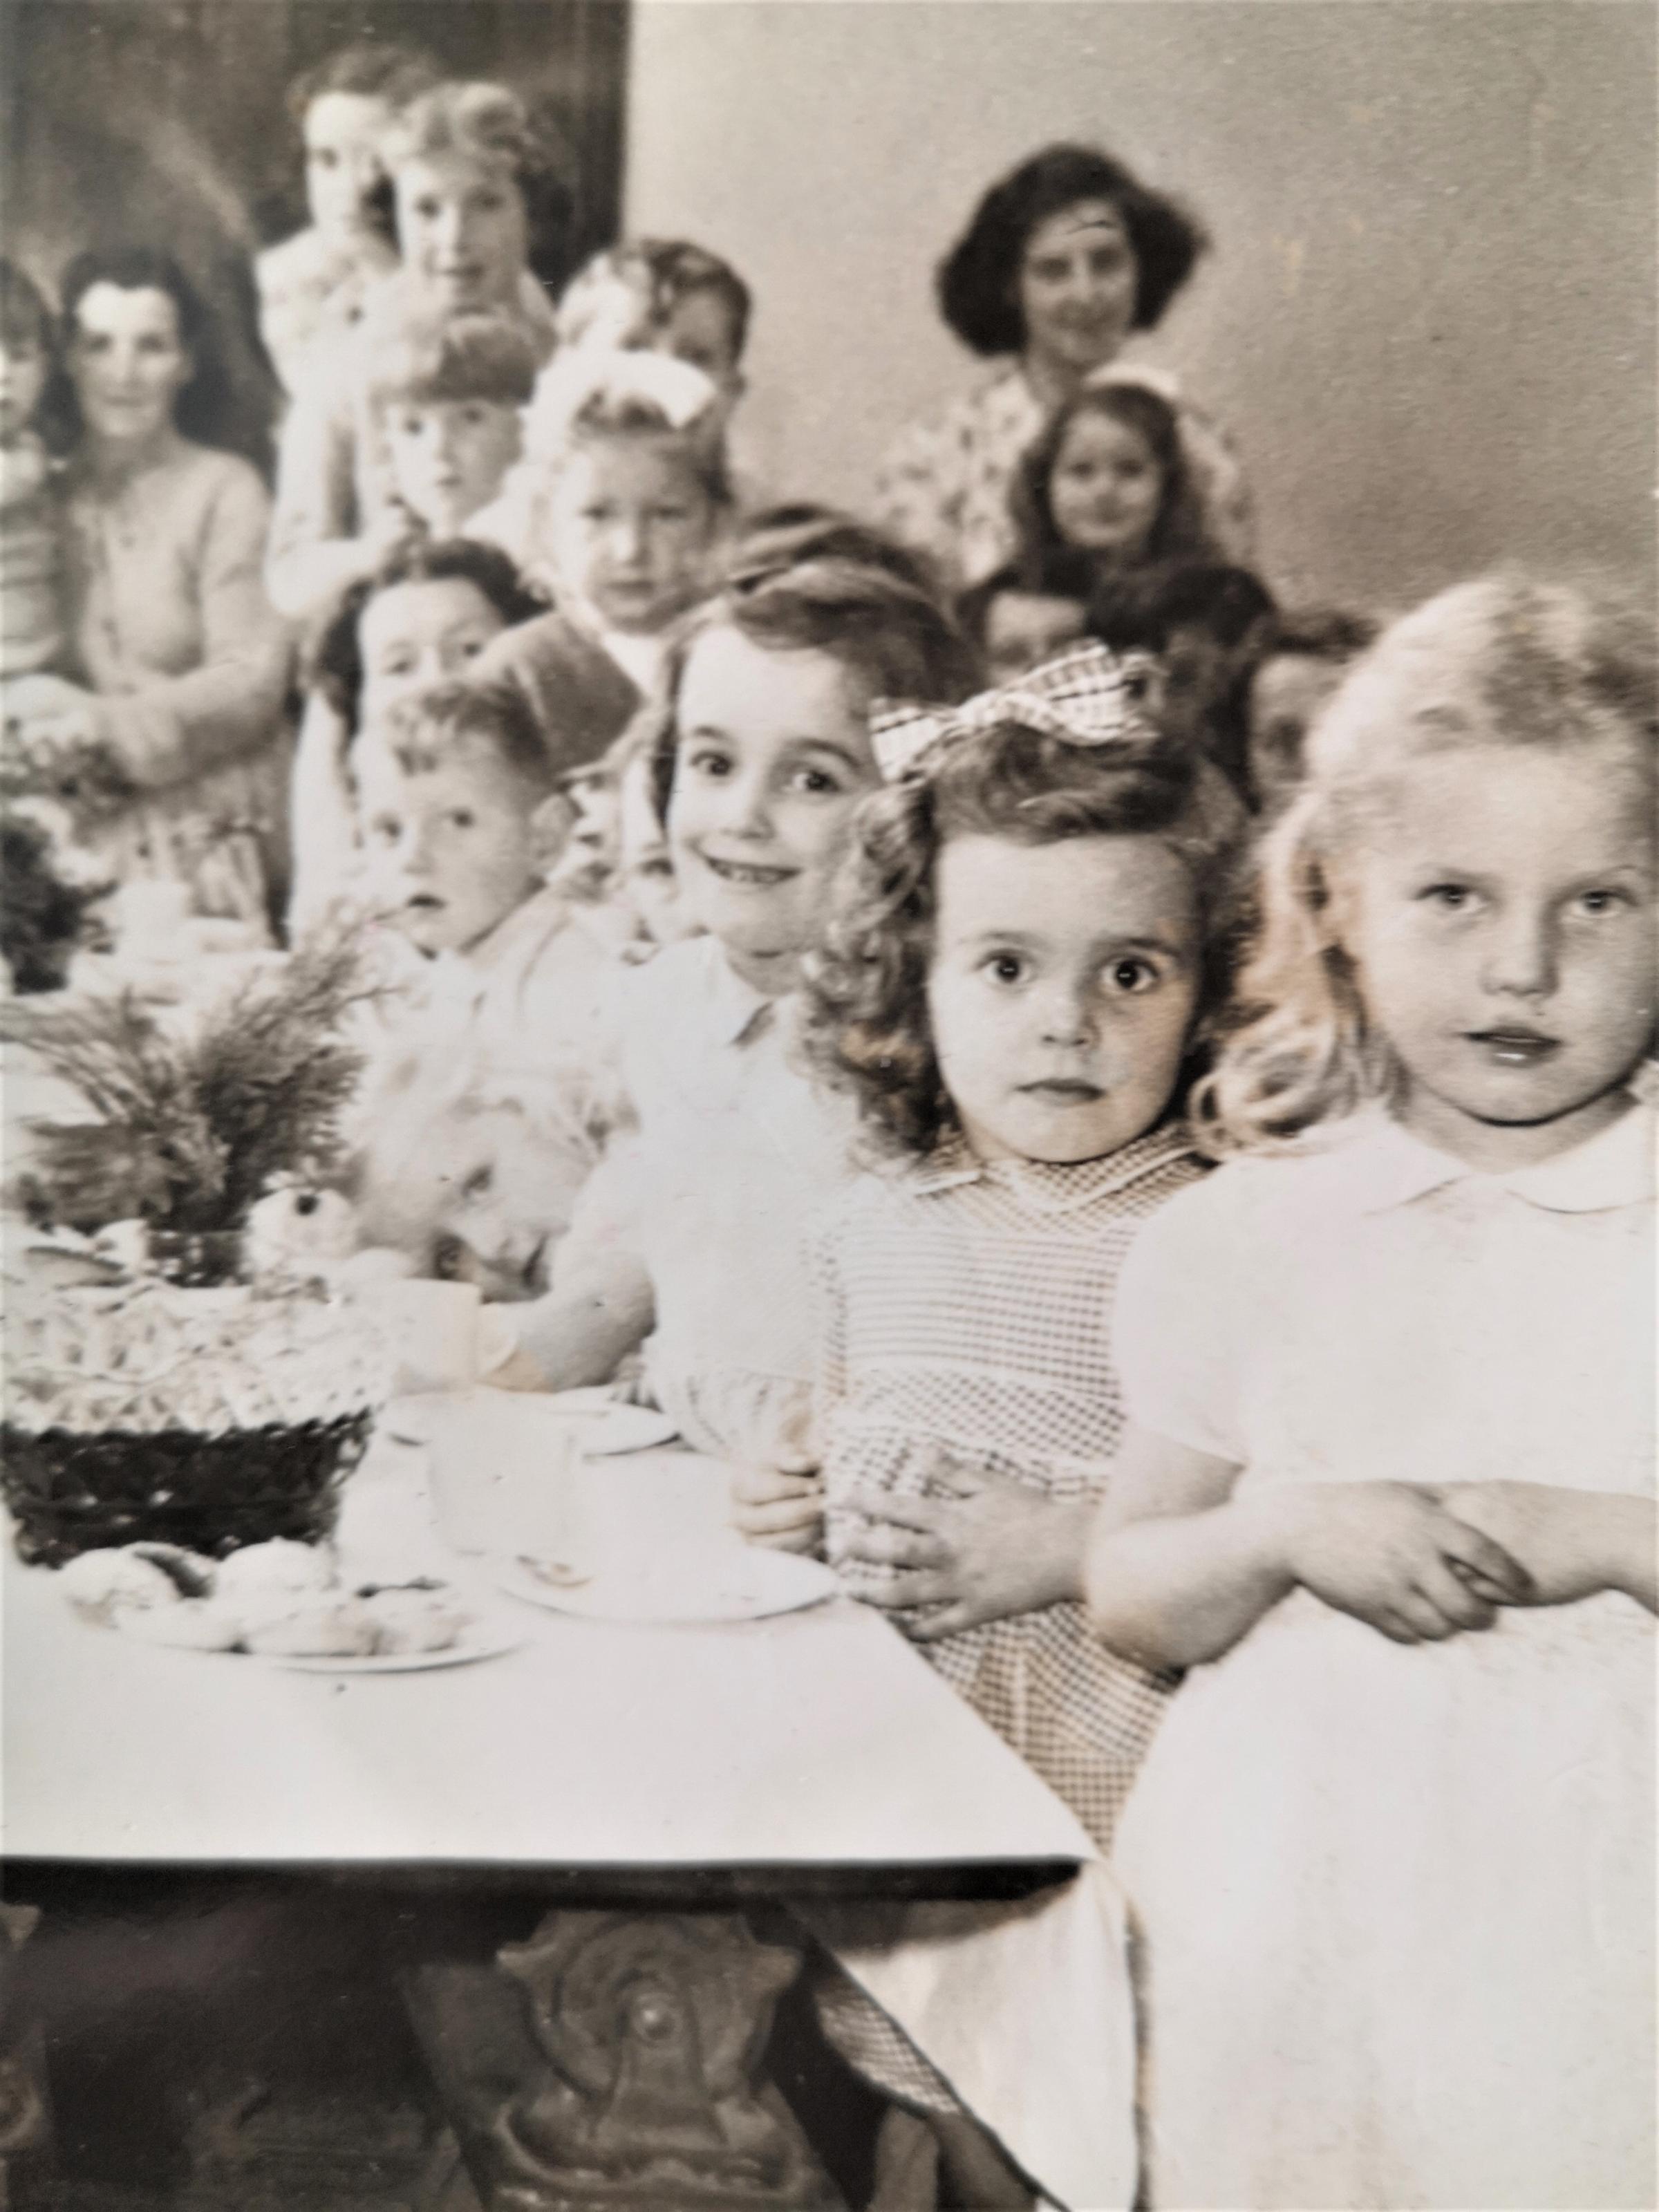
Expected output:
(1030, 931)
(425, 615)
(760, 754)
(451, 785)
(447, 391)
(615, 509)
(1388, 1490)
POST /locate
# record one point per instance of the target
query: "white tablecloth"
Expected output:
(812, 1738)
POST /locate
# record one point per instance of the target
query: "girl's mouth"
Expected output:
(1064, 1090)
(1517, 1048)
(748, 877)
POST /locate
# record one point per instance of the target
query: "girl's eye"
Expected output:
(462, 818)
(387, 828)
(1006, 968)
(1134, 974)
(1598, 903)
(1453, 899)
(816, 782)
(427, 209)
(707, 761)
(472, 647)
(478, 1182)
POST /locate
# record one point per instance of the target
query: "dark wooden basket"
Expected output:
(71, 1493)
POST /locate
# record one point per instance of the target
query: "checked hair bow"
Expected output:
(1087, 697)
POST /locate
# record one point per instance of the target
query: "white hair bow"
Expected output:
(1087, 697)
(584, 376)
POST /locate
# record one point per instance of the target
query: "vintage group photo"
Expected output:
(828, 984)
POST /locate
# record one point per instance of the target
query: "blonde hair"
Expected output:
(1502, 661)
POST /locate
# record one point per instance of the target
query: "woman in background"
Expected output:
(180, 667)
(1064, 259)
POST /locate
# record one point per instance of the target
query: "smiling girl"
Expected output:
(1388, 1491)
(763, 754)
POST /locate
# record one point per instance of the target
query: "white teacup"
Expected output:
(434, 1329)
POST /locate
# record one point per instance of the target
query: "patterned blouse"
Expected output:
(943, 488)
(969, 1306)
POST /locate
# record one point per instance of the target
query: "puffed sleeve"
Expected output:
(1179, 1333)
(920, 486)
(174, 729)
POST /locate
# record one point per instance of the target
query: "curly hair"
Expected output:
(424, 729)
(489, 125)
(337, 665)
(1180, 531)
(866, 987)
(656, 273)
(203, 406)
(425, 356)
(891, 635)
(978, 281)
(1503, 662)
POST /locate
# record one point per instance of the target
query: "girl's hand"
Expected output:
(1394, 1557)
(988, 1550)
(1573, 1543)
(782, 1506)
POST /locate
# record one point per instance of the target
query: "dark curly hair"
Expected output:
(893, 637)
(1179, 532)
(978, 281)
(867, 1030)
(337, 666)
(425, 729)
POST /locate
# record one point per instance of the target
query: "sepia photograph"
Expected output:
(828, 1000)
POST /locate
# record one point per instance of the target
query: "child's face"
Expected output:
(1105, 488)
(451, 851)
(1024, 628)
(412, 634)
(1077, 283)
(449, 456)
(506, 1196)
(772, 760)
(1286, 693)
(1064, 982)
(699, 329)
(342, 136)
(631, 525)
(22, 380)
(460, 230)
(1503, 925)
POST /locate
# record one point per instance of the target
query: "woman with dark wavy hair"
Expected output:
(1064, 259)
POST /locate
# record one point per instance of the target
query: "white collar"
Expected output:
(1048, 1189)
(1384, 1166)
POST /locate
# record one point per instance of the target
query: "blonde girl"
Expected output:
(1389, 1494)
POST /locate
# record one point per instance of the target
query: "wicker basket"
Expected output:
(69, 1493)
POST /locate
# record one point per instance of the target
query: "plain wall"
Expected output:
(1428, 320)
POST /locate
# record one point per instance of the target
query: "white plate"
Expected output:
(607, 1431)
(605, 1426)
(728, 1582)
(481, 1646)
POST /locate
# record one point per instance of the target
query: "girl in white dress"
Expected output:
(1388, 1491)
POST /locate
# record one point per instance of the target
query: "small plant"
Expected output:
(192, 1126)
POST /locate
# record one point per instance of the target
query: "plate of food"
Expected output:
(282, 1601)
(716, 1581)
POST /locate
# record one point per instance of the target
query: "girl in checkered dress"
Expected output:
(1027, 935)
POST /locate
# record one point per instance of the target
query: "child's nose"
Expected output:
(1520, 955)
(746, 805)
(1067, 1014)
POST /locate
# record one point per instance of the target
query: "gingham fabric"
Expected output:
(1087, 697)
(970, 1306)
(873, 2044)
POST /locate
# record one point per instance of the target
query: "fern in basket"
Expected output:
(192, 1123)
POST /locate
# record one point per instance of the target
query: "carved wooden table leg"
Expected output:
(25, 2115)
(612, 2064)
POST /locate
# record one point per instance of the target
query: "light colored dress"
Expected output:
(968, 1305)
(310, 290)
(1397, 1904)
(169, 624)
(737, 1150)
(943, 488)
